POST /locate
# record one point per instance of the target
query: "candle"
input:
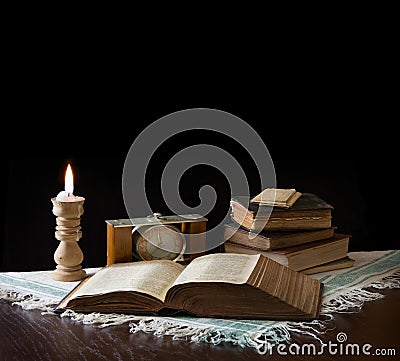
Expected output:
(67, 194)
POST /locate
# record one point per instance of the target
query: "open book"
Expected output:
(215, 285)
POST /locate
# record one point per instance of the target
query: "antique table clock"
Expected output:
(155, 237)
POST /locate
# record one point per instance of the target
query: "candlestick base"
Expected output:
(68, 274)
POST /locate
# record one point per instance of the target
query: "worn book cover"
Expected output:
(341, 263)
(308, 203)
(269, 240)
(301, 256)
(308, 212)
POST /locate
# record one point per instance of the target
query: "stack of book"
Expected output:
(292, 228)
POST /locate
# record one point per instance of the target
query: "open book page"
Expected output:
(220, 267)
(150, 277)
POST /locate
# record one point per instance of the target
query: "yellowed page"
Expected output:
(150, 277)
(219, 267)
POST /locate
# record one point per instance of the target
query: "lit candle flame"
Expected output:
(69, 181)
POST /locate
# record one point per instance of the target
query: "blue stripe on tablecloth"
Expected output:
(361, 282)
(32, 286)
(356, 278)
(357, 268)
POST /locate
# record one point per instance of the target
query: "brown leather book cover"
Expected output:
(307, 201)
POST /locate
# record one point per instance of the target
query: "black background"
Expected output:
(328, 136)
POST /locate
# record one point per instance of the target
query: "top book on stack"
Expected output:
(283, 198)
(308, 212)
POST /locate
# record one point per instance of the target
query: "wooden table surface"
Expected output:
(28, 335)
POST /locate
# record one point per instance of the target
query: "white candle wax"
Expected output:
(63, 196)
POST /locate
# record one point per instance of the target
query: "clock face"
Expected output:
(158, 242)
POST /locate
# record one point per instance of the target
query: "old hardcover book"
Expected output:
(301, 256)
(268, 240)
(277, 197)
(214, 285)
(345, 262)
(309, 212)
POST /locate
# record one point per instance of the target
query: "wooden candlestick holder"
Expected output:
(68, 254)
